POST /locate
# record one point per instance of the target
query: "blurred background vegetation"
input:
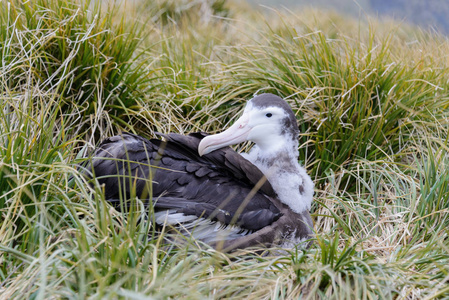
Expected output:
(427, 14)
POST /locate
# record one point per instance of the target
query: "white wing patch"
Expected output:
(200, 228)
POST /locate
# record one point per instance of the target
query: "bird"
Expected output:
(198, 185)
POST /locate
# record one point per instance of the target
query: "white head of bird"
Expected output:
(270, 123)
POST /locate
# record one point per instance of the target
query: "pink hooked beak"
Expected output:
(235, 134)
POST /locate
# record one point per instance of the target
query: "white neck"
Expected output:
(272, 148)
(289, 179)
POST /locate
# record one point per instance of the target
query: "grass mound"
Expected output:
(371, 101)
(76, 51)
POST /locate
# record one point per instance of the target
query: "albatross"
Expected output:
(200, 186)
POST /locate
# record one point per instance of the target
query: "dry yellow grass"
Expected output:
(371, 100)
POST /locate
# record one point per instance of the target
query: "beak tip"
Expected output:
(202, 149)
(203, 152)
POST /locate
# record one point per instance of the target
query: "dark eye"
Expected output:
(269, 115)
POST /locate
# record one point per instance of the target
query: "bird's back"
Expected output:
(221, 186)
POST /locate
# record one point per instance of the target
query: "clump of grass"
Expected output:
(30, 149)
(371, 103)
(74, 49)
(353, 97)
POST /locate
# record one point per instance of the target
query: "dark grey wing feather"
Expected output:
(171, 172)
(122, 163)
(251, 220)
(238, 167)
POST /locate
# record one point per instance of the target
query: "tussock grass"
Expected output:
(76, 50)
(371, 99)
